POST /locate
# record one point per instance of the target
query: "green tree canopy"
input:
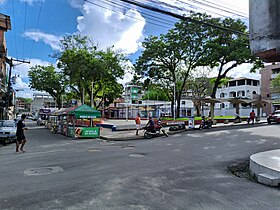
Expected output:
(46, 78)
(89, 70)
(276, 84)
(169, 58)
(226, 50)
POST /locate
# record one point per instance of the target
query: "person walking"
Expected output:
(252, 117)
(138, 123)
(21, 140)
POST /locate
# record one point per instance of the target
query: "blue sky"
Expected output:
(38, 25)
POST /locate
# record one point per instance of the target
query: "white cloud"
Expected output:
(48, 39)
(244, 71)
(128, 74)
(124, 29)
(2, 1)
(22, 83)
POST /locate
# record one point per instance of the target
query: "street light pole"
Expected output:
(174, 102)
(91, 96)
(126, 103)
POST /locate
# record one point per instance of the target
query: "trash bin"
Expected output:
(191, 123)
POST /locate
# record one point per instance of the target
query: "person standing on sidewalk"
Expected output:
(252, 117)
(138, 123)
(21, 140)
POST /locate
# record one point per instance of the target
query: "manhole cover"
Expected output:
(94, 150)
(42, 171)
(137, 155)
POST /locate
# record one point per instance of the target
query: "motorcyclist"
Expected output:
(150, 124)
(206, 123)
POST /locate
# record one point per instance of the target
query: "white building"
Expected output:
(42, 100)
(243, 88)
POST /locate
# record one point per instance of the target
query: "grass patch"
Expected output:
(199, 118)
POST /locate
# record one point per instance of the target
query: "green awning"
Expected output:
(85, 112)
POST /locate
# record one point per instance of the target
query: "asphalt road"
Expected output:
(184, 171)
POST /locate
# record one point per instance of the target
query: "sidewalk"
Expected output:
(127, 129)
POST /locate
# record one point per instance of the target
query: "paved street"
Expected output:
(184, 171)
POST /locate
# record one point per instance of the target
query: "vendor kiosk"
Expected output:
(81, 122)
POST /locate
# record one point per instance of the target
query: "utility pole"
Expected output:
(11, 64)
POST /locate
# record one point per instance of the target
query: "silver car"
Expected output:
(8, 130)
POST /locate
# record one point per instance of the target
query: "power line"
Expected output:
(151, 8)
(39, 15)
(227, 8)
(199, 8)
(24, 27)
(126, 15)
(14, 27)
(143, 13)
(229, 11)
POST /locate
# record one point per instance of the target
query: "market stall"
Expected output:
(81, 122)
(63, 121)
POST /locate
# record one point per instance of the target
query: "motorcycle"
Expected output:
(153, 132)
(205, 124)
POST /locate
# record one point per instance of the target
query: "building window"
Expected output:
(241, 93)
(267, 95)
(232, 94)
(249, 82)
(276, 71)
(222, 95)
(183, 102)
(222, 105)
(241, 82)
(254, 92)
(255, 83)
(232, 83)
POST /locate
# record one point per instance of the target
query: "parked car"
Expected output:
(274, 117)
(7, 131)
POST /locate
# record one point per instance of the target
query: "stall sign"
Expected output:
(86, 116)
(92, 132)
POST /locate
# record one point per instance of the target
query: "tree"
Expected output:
(46, 78)
(276, 84)
(200, 86)
(226, 50)
(89, 70)
(169, 58)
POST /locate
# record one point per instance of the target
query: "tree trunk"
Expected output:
(172, 108)
(178, 107)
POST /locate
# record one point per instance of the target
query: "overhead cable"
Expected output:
(126, 15)
(14, 27)
(24, 27)
(37, 24)
(154, 17)
(151, 8)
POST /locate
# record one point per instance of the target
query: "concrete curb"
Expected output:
(222, 127)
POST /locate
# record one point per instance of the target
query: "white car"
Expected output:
(8, 131)
(274, 117)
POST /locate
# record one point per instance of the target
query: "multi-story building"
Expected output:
(131, 93)
(41, 101)
(268, 73)
(242, 88)
(5, 24)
